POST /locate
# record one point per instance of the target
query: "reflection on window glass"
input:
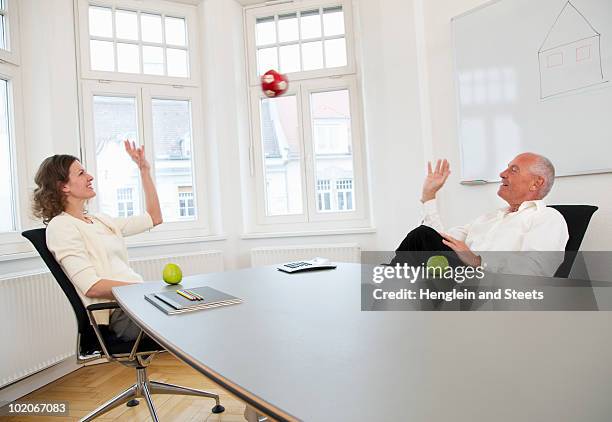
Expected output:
(333, 21)
(288, 28)
(267, 59)
(153, 60)
(177, 62)
(115, 119)
(289, 58)
(4, 36)
(102, 55)
(186, 202)
(310, 24)
(175, 31)
(100, 21)
(126, 25)
(265, 31)
(281, 153)
(335, 52)
(307, 40)
(172, 138)
(128, 59)
(151, 28)
(125, 202)
(312, 55)
(121, 39)
(331, 128)
(7, 195)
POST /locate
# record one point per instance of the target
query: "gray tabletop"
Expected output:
(299, 347)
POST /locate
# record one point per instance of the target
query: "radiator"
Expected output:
(275, 255)
(39, 326)
(151, 268)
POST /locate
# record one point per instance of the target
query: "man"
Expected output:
(525, 225)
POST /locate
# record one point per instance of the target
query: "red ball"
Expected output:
(274, 84)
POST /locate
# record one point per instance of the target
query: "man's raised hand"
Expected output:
(435, 179)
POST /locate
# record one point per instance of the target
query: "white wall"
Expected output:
(459, 203)
(386, 60)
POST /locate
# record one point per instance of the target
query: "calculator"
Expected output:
(299, 266)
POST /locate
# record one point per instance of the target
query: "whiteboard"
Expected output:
(534, 76)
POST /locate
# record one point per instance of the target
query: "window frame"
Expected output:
(253, 13)
(188, 12)
(11, 242)
(144, 94)
(302, 84)
(310, 217)
(12, 55)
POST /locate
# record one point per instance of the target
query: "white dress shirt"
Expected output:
(534, 229)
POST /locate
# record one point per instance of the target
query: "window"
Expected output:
(301, 41)
(9, 31)
(121, 40)
(161, 42)
(7, 192)
(344, 188)
(125, 203)
(323, 195)
(282, 156)
(186, 204)
(161, 119)
(141, 83)
(308, 162)
(172, 144)
(115, 119)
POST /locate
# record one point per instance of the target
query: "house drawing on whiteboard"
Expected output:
(570, 55)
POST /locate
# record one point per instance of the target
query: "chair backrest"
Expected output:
(88, 340)
(577, 218)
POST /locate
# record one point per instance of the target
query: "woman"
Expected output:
(90, 248)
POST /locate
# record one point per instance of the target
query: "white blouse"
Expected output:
(90, 252)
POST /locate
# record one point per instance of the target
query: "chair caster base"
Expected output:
(218, 409)
(132, 403)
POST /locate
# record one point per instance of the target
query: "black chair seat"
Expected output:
(115, 345)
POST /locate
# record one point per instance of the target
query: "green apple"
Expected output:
(172, 274)
(437, 261)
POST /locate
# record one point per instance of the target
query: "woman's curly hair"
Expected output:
(48, 199)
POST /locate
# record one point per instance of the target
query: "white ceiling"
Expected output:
(242, 2)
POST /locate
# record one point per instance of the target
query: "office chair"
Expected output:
(577, 218)
(97, 341)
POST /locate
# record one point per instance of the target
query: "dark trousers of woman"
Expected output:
(421, 244)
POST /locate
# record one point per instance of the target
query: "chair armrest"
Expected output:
(102, 306)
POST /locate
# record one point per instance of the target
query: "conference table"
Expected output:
(300, 348)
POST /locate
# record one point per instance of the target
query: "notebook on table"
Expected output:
(171, 302)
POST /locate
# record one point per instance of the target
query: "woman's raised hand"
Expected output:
(137, 154)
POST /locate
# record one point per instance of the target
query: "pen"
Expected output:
(198, 296)
(185, 295)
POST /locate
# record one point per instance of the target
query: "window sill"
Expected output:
(138, 244)
(177, 241)
(269, 235)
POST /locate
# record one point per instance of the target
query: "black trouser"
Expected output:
(417, 247)
(421, 244)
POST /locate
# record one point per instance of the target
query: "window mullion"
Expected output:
(164, 47)
(145, 132)
(309, 191)
(114, 26)
(323, 38)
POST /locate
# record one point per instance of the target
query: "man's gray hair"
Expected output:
(544, 168)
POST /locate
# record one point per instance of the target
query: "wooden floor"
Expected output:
(90, 386)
